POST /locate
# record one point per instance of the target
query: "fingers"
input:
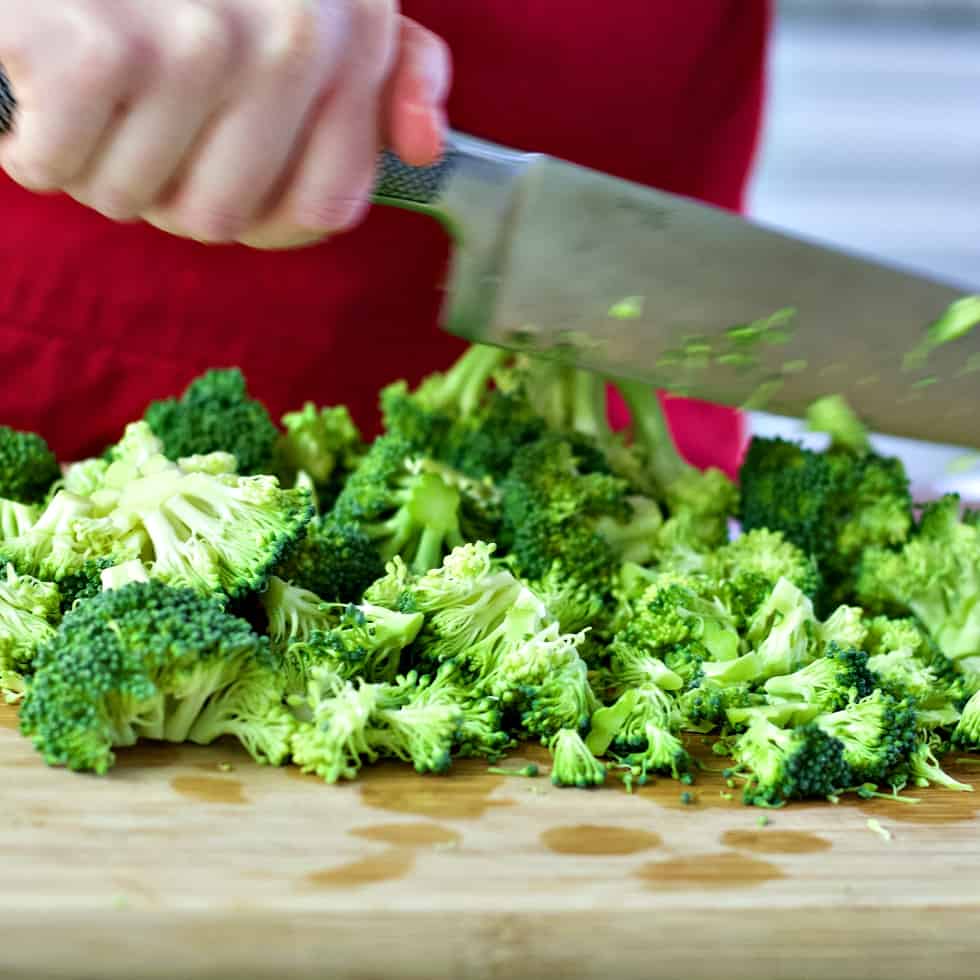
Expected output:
(71, 73)
(417, 92)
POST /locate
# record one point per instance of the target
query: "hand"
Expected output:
(252, 121)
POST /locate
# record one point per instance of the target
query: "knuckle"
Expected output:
(292, 43)
(201, 45)
(376, 32)
(36, 174)
(100, 55)
(215, 222)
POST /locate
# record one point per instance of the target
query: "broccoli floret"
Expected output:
(363, 641)
(145, 661)
(576, 605)
(832, 415)
(29, 612)
(781, 637)
(16, 518)
(831, 505)
(293, 613)
(710, 703)
(28, 468)
(924, 768)
(216, 413)
(878, 734)
(967, 731)
(336, 561)
(790, 764)
(886, 635)
(572, 764)
(901, 674)
(413, 507)
(837, 679)
(935, 576)
(322, 442)
(845, 627)
(216, 534)
(768, 554)
(80, 585)
(647, 705)
(662, 752)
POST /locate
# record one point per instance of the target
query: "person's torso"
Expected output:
(97, 318)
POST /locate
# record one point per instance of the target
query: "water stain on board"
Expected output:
(209, 789)
(463, 794)
(700, 871)
(391, 865)
(775, 841)
(409, 835)
(591, 840)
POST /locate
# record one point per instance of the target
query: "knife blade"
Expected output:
(560, 261)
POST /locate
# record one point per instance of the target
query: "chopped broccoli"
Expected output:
(572, 764)
(16, 518)
(322, 442)
(216, 413)
(834, 681)
(877, 733)
(783, 765)
(28, 468)
(29, 612)
(925, 770)
(967, 731)
(149, 661)
(293, 613)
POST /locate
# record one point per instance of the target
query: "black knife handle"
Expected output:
(396, 181)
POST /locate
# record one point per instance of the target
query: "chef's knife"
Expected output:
(557, 260)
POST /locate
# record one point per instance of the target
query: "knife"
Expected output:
(560, 261)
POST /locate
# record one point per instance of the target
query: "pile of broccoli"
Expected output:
(499, 565)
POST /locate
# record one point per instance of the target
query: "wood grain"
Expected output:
(195, 862)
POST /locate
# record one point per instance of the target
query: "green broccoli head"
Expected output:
(935, 577)
(216, 413)
(711, 703)
(336, 561)
(831, 505)
(572, 764)
(28, 468)
(830, 683)
(319, 441)
(781, 764)
(878, 734)
(143, 661)
(967, 731)
(924, 768)
(29, 612)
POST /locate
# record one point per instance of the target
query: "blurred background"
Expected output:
(872, 142)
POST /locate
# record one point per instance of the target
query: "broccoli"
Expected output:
(572, 764)
(323, 442)
(711, 703)
(117, 576)
(924, 768)
(935, 577)
(781, 639)
(151, 661)
(214, 413)
(413, 507)
(336, 561)
(844, 627)
(29, 612)
(363, 641)
(967, 731)
(782, 765)
(16, 518)
(837, 679)
(216, 534)
(877, 733)
(85, 477)
(831, 505)
(662, 752)
(28, 468)
(293, 613)
(768, 554)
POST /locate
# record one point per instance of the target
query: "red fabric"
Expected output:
(96, 318)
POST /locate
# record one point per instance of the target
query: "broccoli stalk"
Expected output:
(572, 764)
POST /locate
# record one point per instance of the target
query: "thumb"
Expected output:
(414, 115)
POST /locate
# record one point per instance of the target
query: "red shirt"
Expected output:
(98, 318)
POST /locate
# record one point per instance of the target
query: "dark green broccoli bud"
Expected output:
(768, 554)
(834, 681)
(782, 765)
(336, 561)
(83, 584)
(710, 703)
(145, 661)
(967, 731)
(878, 734)
(935, 576)
(215, 534)
(413, 507)
(216, 413)
(572, 764)
(831, 505)
(28, 468)
(363, 641)
(319, 441)
(29, 612)
(781, 637)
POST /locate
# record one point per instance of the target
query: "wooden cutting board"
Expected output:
(195, 862)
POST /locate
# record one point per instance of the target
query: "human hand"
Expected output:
(252, 121)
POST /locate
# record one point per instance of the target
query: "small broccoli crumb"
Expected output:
(530, 770)
(688, 799)
(876, 828)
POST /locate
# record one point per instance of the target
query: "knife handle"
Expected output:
(396, 182)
